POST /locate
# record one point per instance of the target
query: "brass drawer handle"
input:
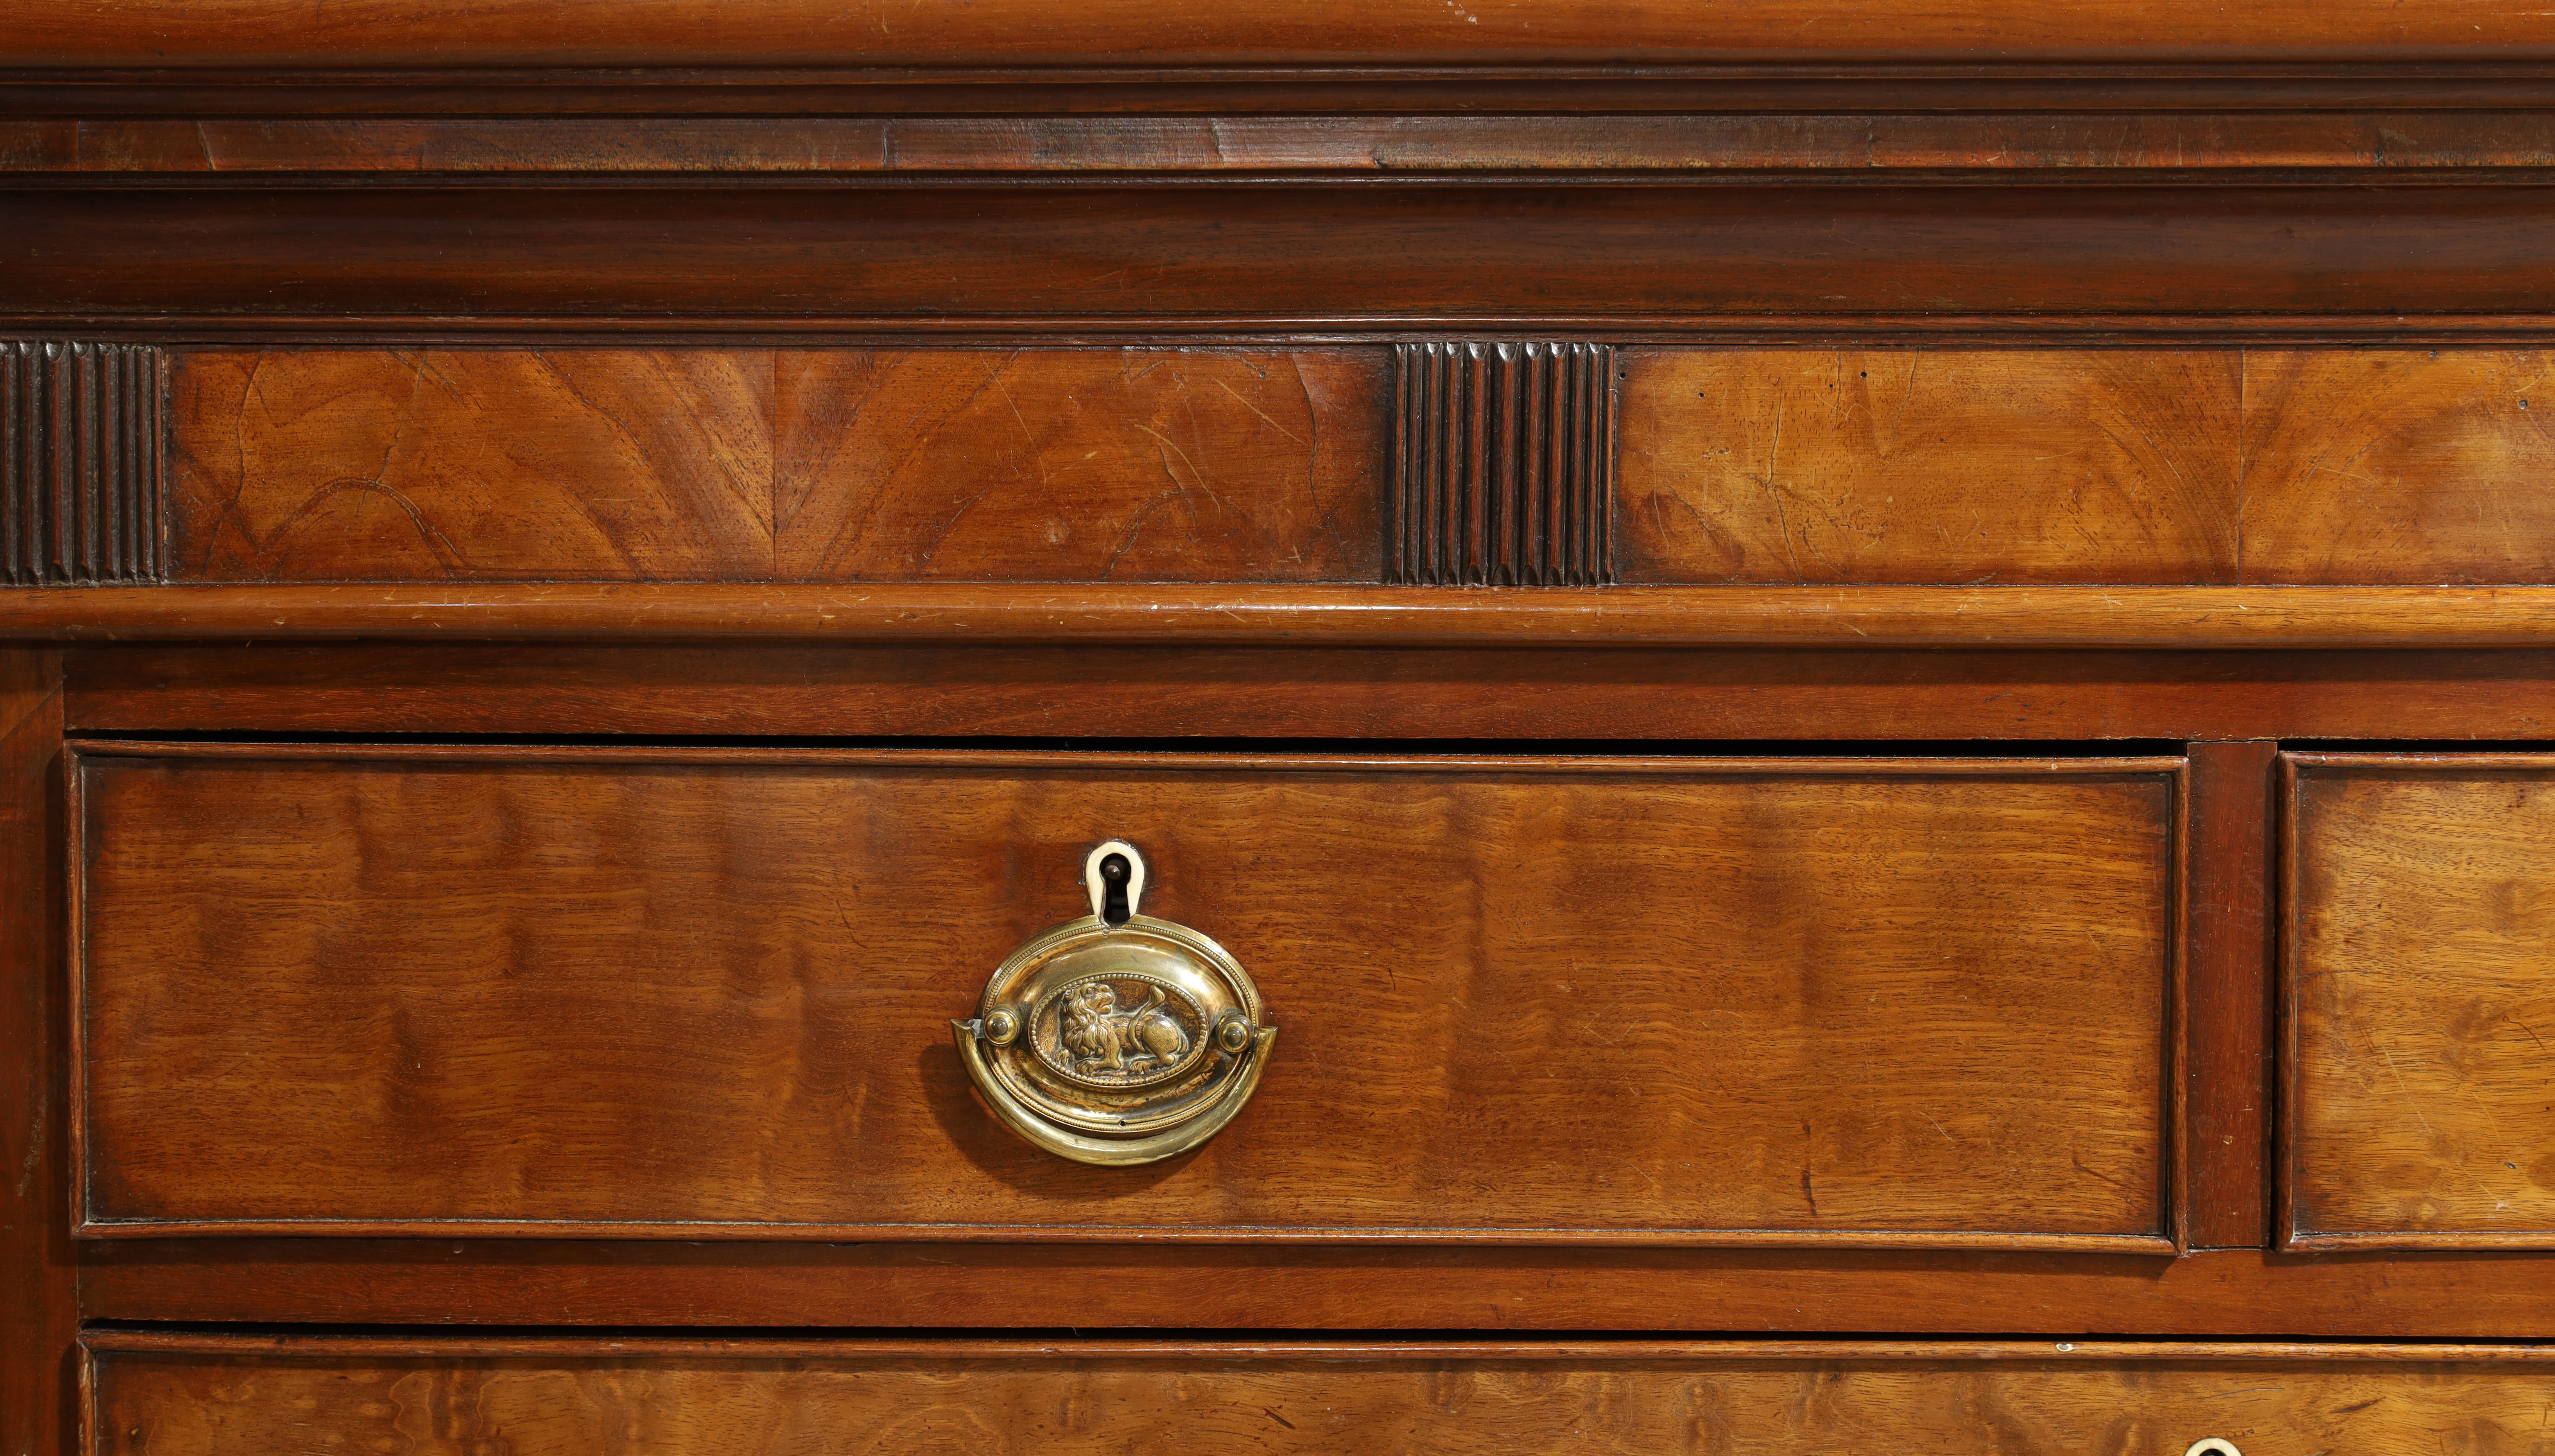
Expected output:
(1116, 1038)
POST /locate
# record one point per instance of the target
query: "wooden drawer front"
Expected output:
(178, 1395)
(703, 993)
(2421, 1000)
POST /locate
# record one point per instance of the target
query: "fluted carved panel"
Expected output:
(80, 428)
(1503, 464)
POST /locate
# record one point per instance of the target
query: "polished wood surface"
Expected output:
(176, 1395)
(1159, 32)
(2237, 1293)
(1101, 614)
(660, 991)
(761, 465)
(2418, 1113)
(2398, 466)
(38, 1270)
(1090, 257)
(1963, 467)
(1273, 691)
(2229, 1074)
(2182, 141)
(1956, 467)
(1959, 466)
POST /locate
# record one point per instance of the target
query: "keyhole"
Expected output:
(1114, 873)
(2212, 1446)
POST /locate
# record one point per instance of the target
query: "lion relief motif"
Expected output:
(1105, 1039)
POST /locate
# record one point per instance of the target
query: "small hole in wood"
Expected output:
(2212, 1446)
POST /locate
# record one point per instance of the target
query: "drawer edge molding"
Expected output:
(1383, 1347)
(2199, 617)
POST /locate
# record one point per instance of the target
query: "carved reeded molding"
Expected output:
(1503, 464)
(80, 431)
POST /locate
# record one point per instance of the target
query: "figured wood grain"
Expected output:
(1080, 464)
(695, 993)
(735, 464)
(1140, 692)
(39, 1274)
(2232, 1293)
(2398, 466)
(2102, 135)
(1157, 33)
(593, 1397)
(1961, 466)
(2418, 987)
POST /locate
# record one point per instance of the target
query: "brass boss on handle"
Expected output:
(1117, 1037)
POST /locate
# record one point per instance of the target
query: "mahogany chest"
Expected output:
(1802, 726)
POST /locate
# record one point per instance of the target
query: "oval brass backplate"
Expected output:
(1116, 1038)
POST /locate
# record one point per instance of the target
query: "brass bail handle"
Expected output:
(1117, 1037)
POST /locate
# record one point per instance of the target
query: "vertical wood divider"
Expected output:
(2227, 1065)
(39, 1295)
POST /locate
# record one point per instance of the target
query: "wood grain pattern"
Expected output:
(659, 992)
(2398, 466)
(1762, 466)
(1511, 258)
(2101, 137)
(2230, 1293)
(2229, 1084)
(38, 1274)
(1974, 466)
(204, 1394)
(288, 34)
(1307, 615)
(756, 464)
(320, 464)
(1116, 693)
(81, 481)
(1080, 464)
(2416, 975)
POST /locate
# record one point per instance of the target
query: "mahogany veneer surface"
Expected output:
(1200, 464)
(2419, 989)
(177, 1396)
(1828, 1002)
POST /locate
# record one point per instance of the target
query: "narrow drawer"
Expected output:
(183, 1394)
(687, 994)
(2420, 999)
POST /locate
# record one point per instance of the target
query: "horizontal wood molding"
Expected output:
(1207, 689)
(2226, 1293)
(204, 1394)
(391, 33)
(2094, 139)
(1624, 616)
(1435, 256)
(80, 438)
(1503, 464)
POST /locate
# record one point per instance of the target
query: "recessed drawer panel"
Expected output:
(2421, 1000)
(705, 992)
(199, 1396)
